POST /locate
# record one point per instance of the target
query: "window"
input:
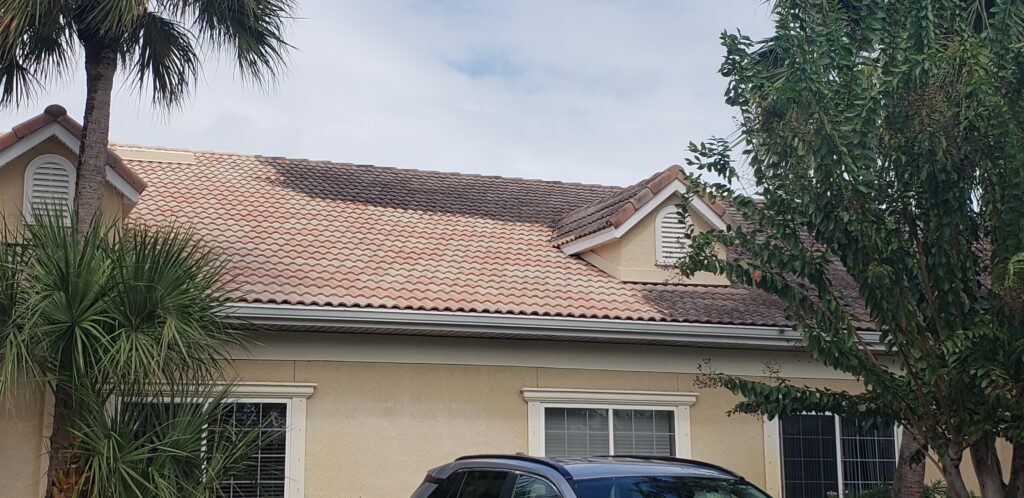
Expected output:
(49, 187)
(483, 484)
(276, 470)
(570, 432)
(534, 487)
(266, 475)
(824, 453)
(664, 487)
(670, 235)
(449, 488)
(577, 422)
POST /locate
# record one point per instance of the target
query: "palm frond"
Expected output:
(253, 30)
(170, 442)
(17, 82)
(18, 358)
(36, 46)
(164, 57)
(65, 312)
(108, 19)
(167, 296)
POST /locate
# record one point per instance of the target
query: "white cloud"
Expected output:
(593, 91)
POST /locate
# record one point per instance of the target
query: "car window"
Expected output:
(483, 484)
(534, 487)
(449, 488)
(664, 487)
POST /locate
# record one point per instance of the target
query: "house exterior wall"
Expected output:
(21, 445)
(388, 408)
(12, 185)
(633, 258)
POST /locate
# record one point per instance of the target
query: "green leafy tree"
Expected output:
(885, 141)
(124, 315)
(157, 44)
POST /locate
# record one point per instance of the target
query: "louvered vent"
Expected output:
(672, 243)
(49, 187)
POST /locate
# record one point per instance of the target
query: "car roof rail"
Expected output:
(675, 460)
(523, 458)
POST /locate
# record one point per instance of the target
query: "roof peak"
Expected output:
(329, 162)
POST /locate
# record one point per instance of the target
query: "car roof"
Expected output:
(609, 466)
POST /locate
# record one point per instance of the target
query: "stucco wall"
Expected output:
(21, 445)
(633, 258)
(388, 408)
(12, 185)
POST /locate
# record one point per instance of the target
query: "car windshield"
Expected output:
(664, 487)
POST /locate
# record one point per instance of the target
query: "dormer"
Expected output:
(637, 235)
(37, 171)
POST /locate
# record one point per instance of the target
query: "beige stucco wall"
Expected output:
(21, 445)
(12, 185)
(417, 402)
(633, 258)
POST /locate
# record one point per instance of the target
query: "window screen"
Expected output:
(575, 432)
(816, 460)
(809, 456)
(869, 457)
(644, 432)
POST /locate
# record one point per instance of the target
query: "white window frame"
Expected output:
(30, 171)
(659, 249)
(537, 399)
(773, 453)
(294, 395)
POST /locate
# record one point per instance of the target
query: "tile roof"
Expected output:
(57, 114)
(613, 210)
(319, 233)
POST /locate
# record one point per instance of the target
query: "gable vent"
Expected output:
(671, 241)
(49, 187)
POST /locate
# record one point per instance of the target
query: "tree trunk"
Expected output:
(952, 475)
(987, 467)
(909, 481)
(100, 67)
(1015, 489)
(90, 179)
(61, 481)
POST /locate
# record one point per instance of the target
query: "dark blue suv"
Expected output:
(517, 476)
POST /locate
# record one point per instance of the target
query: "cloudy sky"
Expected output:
(598, 91)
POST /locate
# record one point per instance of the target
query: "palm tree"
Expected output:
(155, 42)
(123, 312)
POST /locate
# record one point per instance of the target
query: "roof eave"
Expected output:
(508, 326)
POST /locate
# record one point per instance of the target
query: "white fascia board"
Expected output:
(509, 326)
(123, 186)
(593, 240)
(71, 141)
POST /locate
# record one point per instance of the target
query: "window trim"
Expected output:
(773, 453)
(537, 399)
(30, 171)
